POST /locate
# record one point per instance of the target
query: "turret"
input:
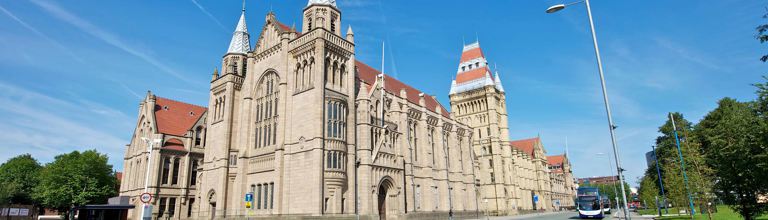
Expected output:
(322, 14)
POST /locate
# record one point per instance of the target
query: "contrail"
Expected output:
(41, 34)
(107, 37)
(209, 15)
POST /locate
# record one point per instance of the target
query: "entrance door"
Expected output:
(382, 202)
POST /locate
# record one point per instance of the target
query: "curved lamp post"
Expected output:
(611, 126)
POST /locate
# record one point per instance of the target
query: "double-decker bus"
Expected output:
(589, 203)
(606, 204)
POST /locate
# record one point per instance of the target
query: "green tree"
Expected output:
(18, 177)
(697, 171)
(733, 139)
(76, 179)
(648, 192)
(762, 35)
(610, 192)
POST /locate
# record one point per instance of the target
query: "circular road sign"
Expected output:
(146, 197)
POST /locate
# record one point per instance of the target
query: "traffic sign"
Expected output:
(536, 198)
(249, 197)
(146, 198)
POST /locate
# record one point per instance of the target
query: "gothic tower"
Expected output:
(478, 100)
(223, 105)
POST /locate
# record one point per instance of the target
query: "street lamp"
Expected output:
(611, 126)
(150, 144)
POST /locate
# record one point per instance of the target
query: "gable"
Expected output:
(176, 118)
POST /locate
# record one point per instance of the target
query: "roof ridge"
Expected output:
(173, 100)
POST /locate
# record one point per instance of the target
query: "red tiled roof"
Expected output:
(368, 75)
(525, 145)
(176, 118)
(174, 144)
(556, 159)
(471, 54)
(119, 176)
(472, 75)
(283, 26)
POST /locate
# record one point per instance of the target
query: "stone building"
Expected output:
(302, 128)
(175, 131)
(513, 176)
(295, 126)
(563, 183)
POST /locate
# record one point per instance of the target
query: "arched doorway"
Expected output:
(383, 193)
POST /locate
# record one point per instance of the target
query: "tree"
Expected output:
(697, 171)
(648, 192)
(18, 177)
(610, 192)
(733, 139)
(762, 35)
(76, 179)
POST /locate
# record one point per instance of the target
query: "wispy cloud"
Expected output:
(109, 38)
(205, 11)
(45, 126)
(41, 34)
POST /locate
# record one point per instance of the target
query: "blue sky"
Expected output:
(73, 72)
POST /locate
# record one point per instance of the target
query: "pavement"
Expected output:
(560, 216)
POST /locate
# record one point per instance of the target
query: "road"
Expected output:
(556, 216)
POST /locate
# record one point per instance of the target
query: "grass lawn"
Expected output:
(654, 212)
(724, 213)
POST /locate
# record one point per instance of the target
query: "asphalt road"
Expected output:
(557, 216)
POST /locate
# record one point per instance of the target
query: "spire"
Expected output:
(240, 39)
(215, 73)
(350, 34)
(497, 79)
(322, 2)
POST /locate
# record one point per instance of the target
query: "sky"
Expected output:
(72, 73)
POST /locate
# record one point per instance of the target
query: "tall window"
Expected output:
(336, 114)
(232, 159)
(258, 197)
(176, 163)
(271, 195)
(198, 136)
(189, 207)
(412, 138)
(193, 173)
(431, 136)
(163, 204)
(266, 102)
(166, 169)
(171, 207)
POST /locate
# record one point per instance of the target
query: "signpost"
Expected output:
(248, 200)
(146, 198)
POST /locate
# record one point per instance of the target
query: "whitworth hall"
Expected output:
(304, 129)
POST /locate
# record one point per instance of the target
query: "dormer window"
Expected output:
(165, 107)
(463, 68)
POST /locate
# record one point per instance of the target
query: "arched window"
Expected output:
(266, 109)
(198, 136)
